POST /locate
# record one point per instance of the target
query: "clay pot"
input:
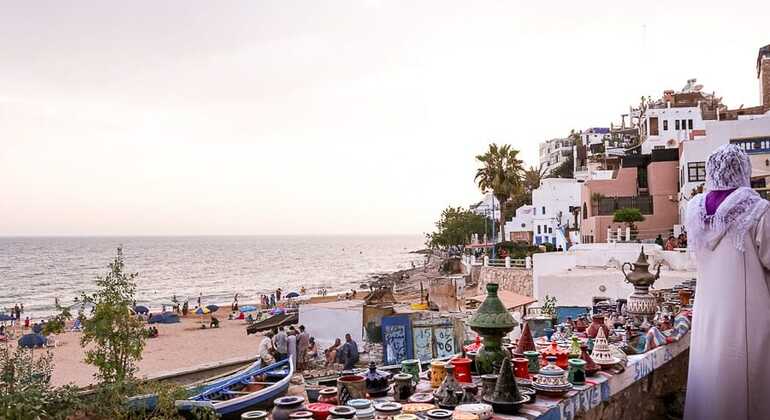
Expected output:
(403, 387)
(254, 415)
(577, 372)
(439, 414)
(301, 415)
(284, 406)
(561, 355)
(520, 367)
(376, 382)
(437, 373)
(526, 343)
(488, 383)
(462, 370)
(533, 358)
(364, 409)
(328, 396)
(412, 367)
(342, 412)
(580, 325)
(320, 410)
(387, 410)
(350, 387)
(506, 399)
(591, 367)
(597, 322)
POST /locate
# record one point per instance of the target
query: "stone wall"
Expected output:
(659, 395)
(516, 280)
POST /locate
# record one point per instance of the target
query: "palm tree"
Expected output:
(500, 174)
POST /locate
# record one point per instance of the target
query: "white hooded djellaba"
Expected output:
(728, 227)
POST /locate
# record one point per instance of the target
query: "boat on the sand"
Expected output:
(275, 321)
(243, 391)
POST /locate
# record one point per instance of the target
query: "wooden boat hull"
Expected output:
(274, 321)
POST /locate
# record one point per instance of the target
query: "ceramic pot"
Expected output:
(301, 415)
(320, 410)
(438, 414)
(406, 417)
(364, 409)
(342, 412)
(574, 347)
(521, 368)
(254, 415)
(562, 356)
(403, 387)
(387, 410)
(491, 321)
(451, 400)
(350, 387)
(462, 369)
(577, 372)
(525, 343)
(580, 325)
(482, 411)
(437, 373)
(284, 406)
(469, 393)
(488, 383)
(506, 399)
(597, 323)
(684, 296)
(328, 395)
(548, 333)
(552, 380)
(449, 386)
(411, 367)
(422, 398)
(533, 358)
(414, 408)
(376, 382)
(591, 367)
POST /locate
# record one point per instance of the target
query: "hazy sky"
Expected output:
(270, 117)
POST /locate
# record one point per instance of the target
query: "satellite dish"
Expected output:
(697, 88)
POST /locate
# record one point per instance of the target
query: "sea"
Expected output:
(35, 271)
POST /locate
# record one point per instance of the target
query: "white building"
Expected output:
(488, 206)
(594, 135)
(751, 132)
(553, 204)
(665, 128)
(553, 153)
(520, 225)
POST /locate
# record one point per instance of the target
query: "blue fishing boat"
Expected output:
(242, 391)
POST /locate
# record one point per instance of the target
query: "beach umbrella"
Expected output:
(202, 311)
(212, 308)
(292, 295)
(141, 309)
(5, 317)
(248, 308)
(32, 340)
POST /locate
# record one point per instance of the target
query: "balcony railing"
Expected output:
(608, 205)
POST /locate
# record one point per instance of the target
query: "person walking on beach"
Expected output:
(303, 342)
(280, 343)
(272, 300)
(278, 294)
(349, 353)
(291, 345)
(200, 296)
(729, 230)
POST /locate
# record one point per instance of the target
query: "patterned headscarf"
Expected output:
(727, 168)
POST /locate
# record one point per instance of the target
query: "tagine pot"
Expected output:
(526, 342)
(561, 355)
(491, 321)
(376, 382)
(506, 399)
(552, 380)
(591, 367)
(597, 322)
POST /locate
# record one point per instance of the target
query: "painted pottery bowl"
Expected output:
(422, 397)
(301, 415)
(387, 409)
(406, 417)
(439, 414)
(483, 411)
(507, 407)
(552, 380)
(413, 408)
(320, 410)
(254, 415)
(464, 416)
(528, 390)
(342, 411)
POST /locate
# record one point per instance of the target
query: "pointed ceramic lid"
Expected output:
(492, 313)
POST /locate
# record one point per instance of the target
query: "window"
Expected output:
(665, 125)
(523, 225)
(653, 126)
(550, 230)
(676, 124)
(534, 211)
(538, 229)
(585, 211)
(689, 124)
(659, 147)
(696, 171)
(543, 209)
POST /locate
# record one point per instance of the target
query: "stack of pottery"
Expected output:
(403, 387)
(597, 323)
(491, 321)
(437, 373)
(364, 409)
(411, 367)
(561, 355)
(387, 410)
(506, 399)
(602, 354)
(526, 343)
(284, 406)
(591, 366)
(376, 382)
(350, 387)
(552, 380)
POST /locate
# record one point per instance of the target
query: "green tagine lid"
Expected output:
(492, 312)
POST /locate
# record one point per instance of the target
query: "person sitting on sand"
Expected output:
(349, 353)
(331, 353)
(214, 322)
(266, 349)
(312, 349)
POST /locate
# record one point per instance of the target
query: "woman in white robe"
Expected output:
(728, 227)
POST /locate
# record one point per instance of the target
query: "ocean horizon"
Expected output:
(36, 270)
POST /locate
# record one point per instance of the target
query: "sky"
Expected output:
(321, 117)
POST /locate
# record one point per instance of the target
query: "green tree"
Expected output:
(455, 228)
(117, 335)
(500, 174)
(25, 387)
(629, 216)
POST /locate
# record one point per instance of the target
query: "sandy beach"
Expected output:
(178, 346)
